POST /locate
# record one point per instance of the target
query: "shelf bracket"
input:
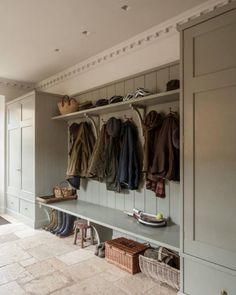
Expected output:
(136, 109)
(91, 119)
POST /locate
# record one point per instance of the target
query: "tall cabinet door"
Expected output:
(209, 56)
(14, 149)
(27, 185)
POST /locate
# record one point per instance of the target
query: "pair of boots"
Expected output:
(100, 250)
(60, 223)
(65, 225)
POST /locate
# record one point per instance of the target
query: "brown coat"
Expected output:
(166, 157)
(151, 128)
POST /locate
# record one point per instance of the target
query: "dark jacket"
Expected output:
(112, 154)
(151, 128)
(166, 157)
(129, 164)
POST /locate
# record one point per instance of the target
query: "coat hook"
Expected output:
(127, 118)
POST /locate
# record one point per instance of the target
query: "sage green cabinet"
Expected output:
(209, 148)
(36, 154)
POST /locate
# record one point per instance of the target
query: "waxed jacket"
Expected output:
(97, 163)
(82, 141)
(129, 169)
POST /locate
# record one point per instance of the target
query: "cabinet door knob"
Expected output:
(18, 169)
(223, 292)
(27, 209)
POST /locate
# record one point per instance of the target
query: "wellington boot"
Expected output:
(56, 222)
(63, 224)
(59, 222)
(68, 230)
(50, 219)
(53, 223)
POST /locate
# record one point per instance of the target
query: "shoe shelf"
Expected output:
(117, 220)
(141, 102)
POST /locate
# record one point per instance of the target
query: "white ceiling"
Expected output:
(30, 30)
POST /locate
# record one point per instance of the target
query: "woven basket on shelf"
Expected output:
(160, 271)
(124, 253)
(68, 105)
(63, 191)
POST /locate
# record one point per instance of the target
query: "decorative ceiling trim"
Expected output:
(155, 34)
(16, 84)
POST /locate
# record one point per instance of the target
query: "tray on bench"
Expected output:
(53, 199)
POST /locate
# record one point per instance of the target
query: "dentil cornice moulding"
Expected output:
(155, 34)
(15, 84)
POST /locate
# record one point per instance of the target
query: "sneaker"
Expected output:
(141, 92)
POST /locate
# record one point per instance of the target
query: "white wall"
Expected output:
(2, 152)
(156, 54)
(12, 92)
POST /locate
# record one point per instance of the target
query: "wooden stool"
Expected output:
(81, 227)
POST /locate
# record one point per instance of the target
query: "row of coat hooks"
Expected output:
(125, 117)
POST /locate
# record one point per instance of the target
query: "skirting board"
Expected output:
(2, 210)
(180, 293)
(32, 223)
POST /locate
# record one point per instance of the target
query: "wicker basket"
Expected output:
(124, 253)
(160, 271)
(68, 105)
(63, 192)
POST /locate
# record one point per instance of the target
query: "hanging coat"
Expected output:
(97, 163)
(112, 154)
(151, 128)
(129, 170)
(82, 143)
(166, 157)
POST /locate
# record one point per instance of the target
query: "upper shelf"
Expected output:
(153, 99)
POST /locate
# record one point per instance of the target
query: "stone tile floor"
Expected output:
(37, 262)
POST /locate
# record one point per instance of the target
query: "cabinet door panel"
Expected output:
(27, 108)
(27, 154)
(13, 114)
(200, 279)
(14, 161)
(210, 140)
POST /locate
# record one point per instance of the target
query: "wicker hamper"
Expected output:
(160, 271)
(124, 253)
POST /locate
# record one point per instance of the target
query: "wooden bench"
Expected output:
(114, 219)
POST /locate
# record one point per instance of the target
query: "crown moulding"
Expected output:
(15, 84)
(146, 38)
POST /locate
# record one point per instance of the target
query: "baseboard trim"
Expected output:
(40, 223)
(180, 293)
(21, 218)
(2, 210)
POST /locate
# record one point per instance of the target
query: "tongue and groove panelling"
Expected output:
(93, 191)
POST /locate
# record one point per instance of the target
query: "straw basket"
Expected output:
(68, 105)
(63, 191)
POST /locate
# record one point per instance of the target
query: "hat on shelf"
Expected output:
(172, 85)
(101, 102)
(115, 99)
(86, 105)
